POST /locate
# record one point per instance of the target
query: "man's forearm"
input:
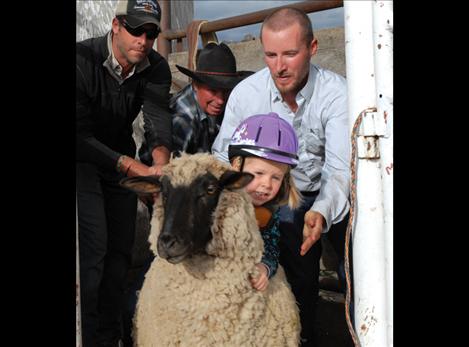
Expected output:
(160, 156)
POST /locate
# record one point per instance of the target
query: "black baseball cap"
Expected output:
(139, 12)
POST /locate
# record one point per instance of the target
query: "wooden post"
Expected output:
(164, 45)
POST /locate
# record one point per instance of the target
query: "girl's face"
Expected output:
(268, 178)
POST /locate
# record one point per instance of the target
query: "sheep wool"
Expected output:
(207, 299)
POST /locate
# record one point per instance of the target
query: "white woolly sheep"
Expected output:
(197, 291)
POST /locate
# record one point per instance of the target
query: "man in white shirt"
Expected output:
(314, 101)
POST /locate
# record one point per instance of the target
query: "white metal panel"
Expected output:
(383, 56)
(368, 233)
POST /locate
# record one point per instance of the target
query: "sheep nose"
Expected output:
(167, 241)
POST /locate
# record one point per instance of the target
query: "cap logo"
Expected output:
(146, 6)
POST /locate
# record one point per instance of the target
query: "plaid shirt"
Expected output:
(193, 130)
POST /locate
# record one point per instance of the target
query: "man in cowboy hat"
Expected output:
(199, 107)
(197, 114)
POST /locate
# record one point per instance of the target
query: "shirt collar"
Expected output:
(305, 93)
(201, 113)
(114, 67)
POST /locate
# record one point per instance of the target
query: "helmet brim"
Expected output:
(239, 150)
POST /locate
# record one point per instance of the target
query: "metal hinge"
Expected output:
(373, 125)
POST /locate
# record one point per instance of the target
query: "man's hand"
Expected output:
(156, 169)
(314, 223)
(160, 157)
(137, 168)
(131, 168)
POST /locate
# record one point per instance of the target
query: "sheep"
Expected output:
(197, 291)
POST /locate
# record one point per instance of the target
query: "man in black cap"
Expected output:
(117, 75)
(199, 107)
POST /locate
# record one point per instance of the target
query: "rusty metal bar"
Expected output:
(253, 18)
(163, 44)
(179, 45)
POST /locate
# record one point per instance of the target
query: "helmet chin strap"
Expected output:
(242, 164)
(238, 163)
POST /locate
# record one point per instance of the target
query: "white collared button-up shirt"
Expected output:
(321, 124)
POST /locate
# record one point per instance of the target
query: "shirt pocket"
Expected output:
(314, 143)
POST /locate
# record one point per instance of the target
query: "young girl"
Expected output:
(265, 145)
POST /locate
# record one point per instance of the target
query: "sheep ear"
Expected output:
(235, 179)
(142, 184)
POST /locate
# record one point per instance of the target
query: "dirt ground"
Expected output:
(333, 330)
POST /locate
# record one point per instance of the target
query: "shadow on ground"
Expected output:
(332, 326)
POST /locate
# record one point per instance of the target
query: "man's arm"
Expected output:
(332, 201)
(156, 115)
(88, 147)
(160, 157)
(331, 204)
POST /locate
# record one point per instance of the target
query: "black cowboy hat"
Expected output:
(216, 67)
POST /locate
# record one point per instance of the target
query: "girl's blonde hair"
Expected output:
(288, 194)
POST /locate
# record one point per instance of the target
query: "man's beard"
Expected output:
(294, 87)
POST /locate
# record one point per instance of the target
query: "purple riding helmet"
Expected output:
(266, 136)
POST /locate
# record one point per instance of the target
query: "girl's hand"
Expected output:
(262, 281)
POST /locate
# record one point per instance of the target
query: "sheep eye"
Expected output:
(211, 189)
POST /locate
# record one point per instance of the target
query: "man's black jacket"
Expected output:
(106, 109)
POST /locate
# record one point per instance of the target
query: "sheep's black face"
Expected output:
(188, 210)
(188, 213)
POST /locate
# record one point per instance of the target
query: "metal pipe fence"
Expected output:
(167, 35)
